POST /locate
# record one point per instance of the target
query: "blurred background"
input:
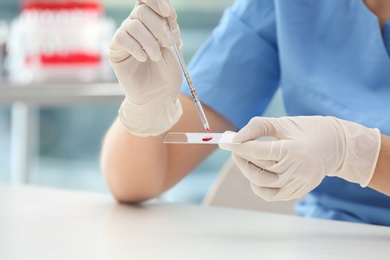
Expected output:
(68, 140)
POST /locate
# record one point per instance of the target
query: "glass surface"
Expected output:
(199, 138)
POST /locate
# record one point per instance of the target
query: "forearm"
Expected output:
(381, 179)
(137, 168)
(130, 162)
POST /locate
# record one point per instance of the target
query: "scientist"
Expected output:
(331, 59)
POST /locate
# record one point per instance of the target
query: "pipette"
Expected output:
(190, 84)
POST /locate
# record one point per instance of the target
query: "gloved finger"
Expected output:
(172, 21)
(257, 150)
(259, 176)
(141, 34)
(292, 190)
(295, 189)
(256, 127)
(161, 7)
(176, 36)
(271, 166)
(225, 145)
(173, 26)
(299, 191)
(153, 22)
(279, 167)
(268, 194)
(123, 45)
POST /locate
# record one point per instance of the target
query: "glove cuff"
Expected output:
(150, 119)
(362, 146)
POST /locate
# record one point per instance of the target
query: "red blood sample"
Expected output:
(207, 138)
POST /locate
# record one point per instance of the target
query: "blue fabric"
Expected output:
(237, 70)
(329, 57)
(338, 200)
(386, 36)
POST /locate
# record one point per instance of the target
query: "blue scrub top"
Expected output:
(329, 57)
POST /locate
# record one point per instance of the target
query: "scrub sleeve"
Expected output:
(329, 57)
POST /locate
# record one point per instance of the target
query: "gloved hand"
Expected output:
(306, 149)
(147, 68)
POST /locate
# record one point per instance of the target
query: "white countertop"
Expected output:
(43, 223)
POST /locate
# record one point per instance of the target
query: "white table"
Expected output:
(25, 99)
(42, 223)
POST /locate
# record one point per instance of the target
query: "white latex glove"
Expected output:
(147, 69)
(306, 149)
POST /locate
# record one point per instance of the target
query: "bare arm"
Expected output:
(139, 168)
(381, 179)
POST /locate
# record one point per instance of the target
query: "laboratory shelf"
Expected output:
(24, 101)
(60, 94)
